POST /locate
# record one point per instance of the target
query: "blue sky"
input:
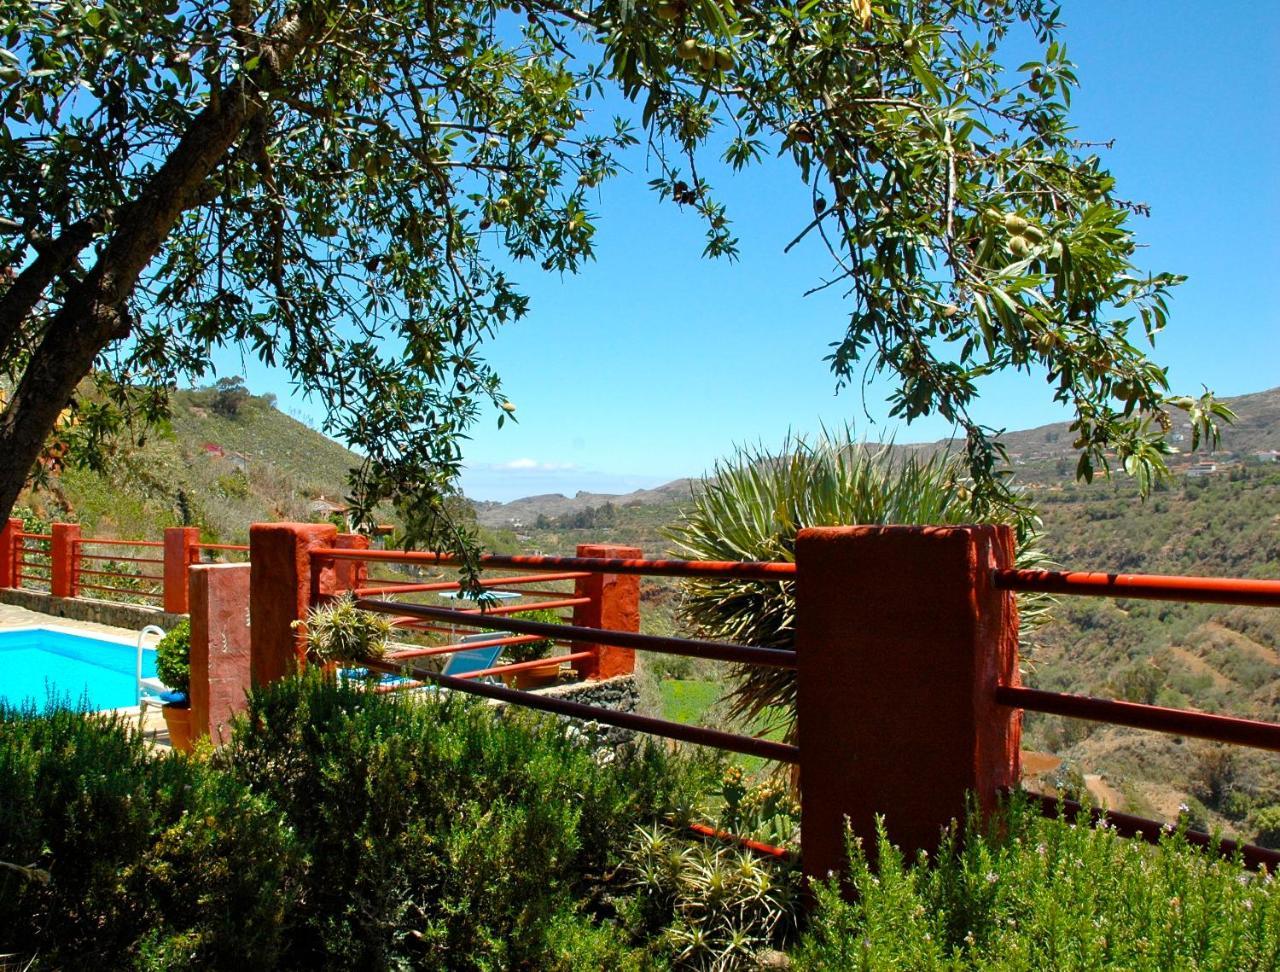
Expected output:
(653, 362)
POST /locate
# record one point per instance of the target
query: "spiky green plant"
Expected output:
(340, 631)
(752, 507)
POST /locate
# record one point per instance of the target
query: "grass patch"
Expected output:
(687, 700)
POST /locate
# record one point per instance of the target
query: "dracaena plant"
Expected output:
(755, 502)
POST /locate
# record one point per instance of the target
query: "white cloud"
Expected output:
(529, 464)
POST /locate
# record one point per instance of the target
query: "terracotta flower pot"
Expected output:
(534, 677)
(178, 721)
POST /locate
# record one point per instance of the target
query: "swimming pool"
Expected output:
(48, 665)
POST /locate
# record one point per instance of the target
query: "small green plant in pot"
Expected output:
(340, 631)
(173, 667)
(532, 651)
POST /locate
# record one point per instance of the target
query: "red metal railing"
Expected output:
(1181, 722)
(131, 583)
(1154, 587)
(745, 570)
(523, 631)
(33, 563)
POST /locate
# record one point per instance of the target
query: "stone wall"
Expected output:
(130, 616)
(620, 694)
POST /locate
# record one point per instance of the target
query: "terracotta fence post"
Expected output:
(64, 553)
(615, 604)
(901, 640)
(9, 552)
(351, 574)
(220, 675)
(179, 554)
(282, 586)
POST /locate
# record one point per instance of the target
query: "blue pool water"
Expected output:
(43, 666)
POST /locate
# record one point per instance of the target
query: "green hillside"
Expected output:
(220, 464)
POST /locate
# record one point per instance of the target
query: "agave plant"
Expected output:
(340, 631)
(754, 504)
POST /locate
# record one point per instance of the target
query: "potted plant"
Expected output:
(341, 632)
(532, 651)
(173, 667)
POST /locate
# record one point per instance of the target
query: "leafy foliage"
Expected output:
(125, 848)
(336, 189)
(533, 650)
(752, 508)
(1033, 893)
(173, 658)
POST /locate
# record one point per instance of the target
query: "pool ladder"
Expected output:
(146, 690)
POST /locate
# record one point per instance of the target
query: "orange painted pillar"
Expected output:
(901, 640)
(64, 551)
(179, 554)
(9, 552)
(282, 586)
(350, 574)
(615, 604)
(218, 597)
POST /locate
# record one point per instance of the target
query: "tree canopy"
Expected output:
(337, 187)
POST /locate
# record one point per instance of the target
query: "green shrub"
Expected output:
(434, 833)
(173, 658)
(1265, 822)
(532, 650)
(1030, 893)
(143, 852)
(712, 905)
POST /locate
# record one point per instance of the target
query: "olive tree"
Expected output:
(337, 188)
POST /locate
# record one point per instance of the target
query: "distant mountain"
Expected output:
(1040, 454)
(527, 510)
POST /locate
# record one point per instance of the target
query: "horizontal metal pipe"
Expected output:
(408, 587)
(119, 590)
(467, 646)
(748, 745)
(34, 536)
(746, 570)
(1128, 825)
(116, 573)
(120, 543)
(716, 650)
(1179, 722)
(520, 608)
(124, 560)
(222, 546)
(527, 665)
(747, 842)
(1152, 587)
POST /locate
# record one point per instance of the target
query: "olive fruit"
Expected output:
(1019, 246)
(687, 49)
(549, 140)
(1014, 223)
(667, 10)
(706, 58)
(1033, 232)
(724, 59)
(508, 406)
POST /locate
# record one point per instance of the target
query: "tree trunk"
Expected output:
(93, 314)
